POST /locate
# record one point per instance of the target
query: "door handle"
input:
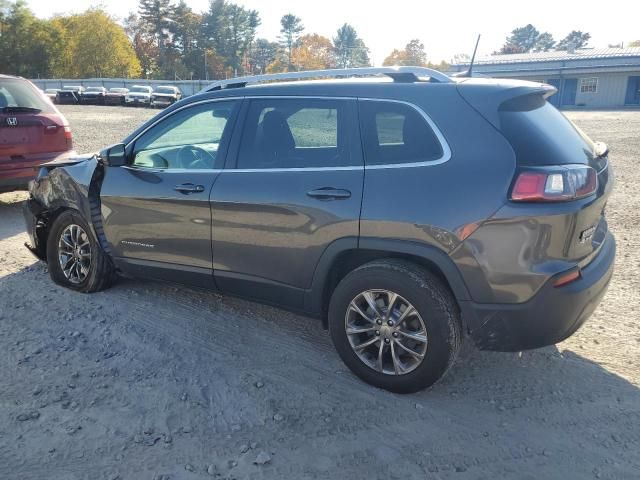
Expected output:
(189, 188)
(329, 193)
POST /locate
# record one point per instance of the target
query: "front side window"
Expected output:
(396, 133)
(295, 133)
(589, 85)
(191, 138)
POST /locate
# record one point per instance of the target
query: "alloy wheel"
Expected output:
(386, 332)
(74, 253)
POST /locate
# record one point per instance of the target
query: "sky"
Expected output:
(446, 27)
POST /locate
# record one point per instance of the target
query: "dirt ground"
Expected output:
(157, 381)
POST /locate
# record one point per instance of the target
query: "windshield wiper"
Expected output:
(17, 109)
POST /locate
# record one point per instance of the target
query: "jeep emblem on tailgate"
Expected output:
(12, 121)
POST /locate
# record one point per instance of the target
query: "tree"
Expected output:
(143, 44)
(576, 39)
(262, 54)
(291, 28)
(314, 52)
(635, 43)
(544, 42)
(230, 29)
(350, 50)
(156, 20)
(413, 54)
(97, 47)
(29, 47)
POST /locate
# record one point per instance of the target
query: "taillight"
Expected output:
(68, 137)
(554, 184)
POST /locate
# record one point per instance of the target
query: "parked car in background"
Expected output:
(116, 96)
(69, 95)
(163, 96)
(51, 93)
(93, 95)
(32, 132)
(139, 95)
(407, 213)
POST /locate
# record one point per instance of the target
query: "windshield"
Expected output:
(15, 93)
(118, 90)
(165, 90)
(140, 89)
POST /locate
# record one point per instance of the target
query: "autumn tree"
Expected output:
(97, 47)
(290, 29)
(349, 48)
(314, 52)
(413, 54)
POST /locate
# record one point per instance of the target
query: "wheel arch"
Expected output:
(345, 255)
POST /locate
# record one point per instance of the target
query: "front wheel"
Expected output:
(74, 256)
(395, 325)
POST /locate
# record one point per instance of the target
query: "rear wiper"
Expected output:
(21, 109)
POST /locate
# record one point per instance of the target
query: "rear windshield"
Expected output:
(19, 93)
(165, 90)
(541, 135)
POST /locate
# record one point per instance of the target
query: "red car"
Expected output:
(32, 132)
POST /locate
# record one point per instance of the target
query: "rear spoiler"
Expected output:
(486, 99)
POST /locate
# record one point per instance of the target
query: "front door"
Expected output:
(569, 91)
(293, 189)
(155, 210)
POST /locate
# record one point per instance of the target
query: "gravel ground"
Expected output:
(157, 381)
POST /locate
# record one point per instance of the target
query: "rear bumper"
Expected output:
(18, 178)
(551, 316)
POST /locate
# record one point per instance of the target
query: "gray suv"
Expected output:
(407, 211)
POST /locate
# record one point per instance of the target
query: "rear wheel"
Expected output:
(74, 256)
(395, 325)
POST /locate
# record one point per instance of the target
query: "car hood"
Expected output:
(138, 94)
(164, 94)
(67, 159)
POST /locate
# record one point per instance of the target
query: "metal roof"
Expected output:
(554, 56)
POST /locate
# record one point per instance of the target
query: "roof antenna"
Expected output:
(473, 57)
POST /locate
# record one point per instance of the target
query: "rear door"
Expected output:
(156, 211)
(293, 187)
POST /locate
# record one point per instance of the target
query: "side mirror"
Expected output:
(114, 156)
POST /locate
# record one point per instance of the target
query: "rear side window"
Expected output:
(542, 135)
(296, 133)
(15, 93)
(396, 133)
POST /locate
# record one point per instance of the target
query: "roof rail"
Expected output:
(399, 74)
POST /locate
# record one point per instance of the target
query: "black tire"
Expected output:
(101, 274)
(427, 294)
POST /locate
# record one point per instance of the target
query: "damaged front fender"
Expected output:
(69, 184)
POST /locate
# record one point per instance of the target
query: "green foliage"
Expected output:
(350, 50)
(575, 39)
(529, 39)
(291, 28)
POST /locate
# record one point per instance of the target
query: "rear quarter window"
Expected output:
(396, 133)
(541, 135)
